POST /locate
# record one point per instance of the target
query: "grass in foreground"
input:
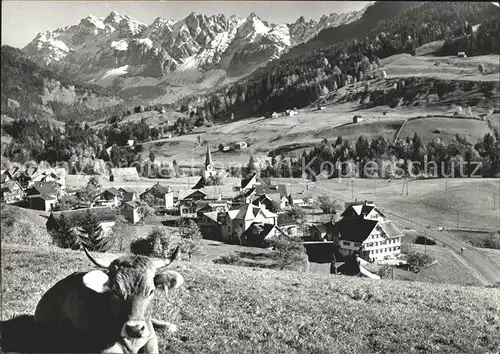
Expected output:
(225, 309)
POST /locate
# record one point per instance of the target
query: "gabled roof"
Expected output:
(126, 190)
(46, 188)
(13, 172)
(355, 230)
(390, 229)
(359, 209)
(200, 184)
(131, 203)
(43, 196)
(187, 193)
(157, 188)
(30, 172)
(271, 189)
(9, 186)
(103, 214)
(212, 215)
(232, 213)
(113, 191)
(250, 212)
(320, 227)
(126, 171)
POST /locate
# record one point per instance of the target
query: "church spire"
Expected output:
(208, 159)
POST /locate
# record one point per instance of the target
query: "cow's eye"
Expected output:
(151, 292)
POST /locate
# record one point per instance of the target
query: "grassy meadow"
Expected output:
(228, 309)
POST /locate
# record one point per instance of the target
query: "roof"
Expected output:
(103, 214)
(360, 208)
(3, 178)
(126, 190)
(355, 230)
(13, 172)
(212, 215)
(43, 196)
(46, 188)
(214, 192)
(131, 203)
(271, 189)
(126, 171)
(320, 227)
(390, 229)
(8, 186)
(187, 193)
(250, 211)
(112, 191)
(232, 213)
(200, 184)
(158, 189)
(208, 157)
(246, 181)
(31, 171)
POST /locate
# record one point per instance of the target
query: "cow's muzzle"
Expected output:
(135, 329)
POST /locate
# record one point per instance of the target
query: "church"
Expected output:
(208, 171)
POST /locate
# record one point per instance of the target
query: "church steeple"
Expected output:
(208, 158)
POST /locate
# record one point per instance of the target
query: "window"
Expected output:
(345, 243)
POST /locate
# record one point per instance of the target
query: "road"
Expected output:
(483, 268)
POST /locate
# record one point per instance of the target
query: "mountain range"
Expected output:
(120, 51)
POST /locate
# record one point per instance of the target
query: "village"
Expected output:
(254, 213)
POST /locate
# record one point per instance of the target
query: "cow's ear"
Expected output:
(168, 280)
(96, 280)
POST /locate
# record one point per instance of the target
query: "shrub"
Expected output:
(155, 244)
(290, 254)
(231, 259)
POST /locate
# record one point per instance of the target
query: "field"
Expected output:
(225, 309)
(310, 126)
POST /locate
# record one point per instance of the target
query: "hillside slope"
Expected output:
(28, 90)
(225, 309)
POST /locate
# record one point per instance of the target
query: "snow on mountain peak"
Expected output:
(97, 46)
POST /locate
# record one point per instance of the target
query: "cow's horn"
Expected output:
(160, 263)
(95, 261)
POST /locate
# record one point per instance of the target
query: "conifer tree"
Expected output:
(64, 236)
(93, 238)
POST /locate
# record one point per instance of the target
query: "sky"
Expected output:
(23, 20)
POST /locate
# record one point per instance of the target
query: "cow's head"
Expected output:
(130, 281)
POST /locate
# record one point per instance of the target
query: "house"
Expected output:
(13, 173)
(209, 224)
(362, 210)
(130, 142)
(251, 182)
(159, 195)
(240, 145)
(105, 215)
(291, 112)
(461, 55)
(318, 232)
(224, 147)
(188, 202)
(275, 115)
(42, 202)
(27, 177)
(128, 194)
(56, 175)
(372, 239)
(110, 197)
(357, 119)
(12, 192)
(262, 235)
(4, 178)
(130, 211)
(46, 188)
(268, 202)
(239, 220)
(300, 199)
(126, 174)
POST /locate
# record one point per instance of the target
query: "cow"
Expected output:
(106, 310)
